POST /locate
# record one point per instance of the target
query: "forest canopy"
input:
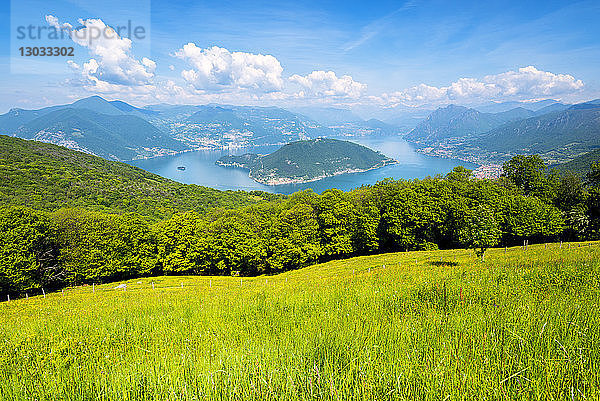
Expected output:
(74, 246)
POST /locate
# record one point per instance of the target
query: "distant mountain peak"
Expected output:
(592, 104)
(458, 121)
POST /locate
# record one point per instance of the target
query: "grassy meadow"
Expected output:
(438, 325)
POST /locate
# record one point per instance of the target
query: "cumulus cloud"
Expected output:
(218, 74)
(53, 21)
(524, 84)
(112, 64)
(529, 81)
(218, 69)
(326, 83)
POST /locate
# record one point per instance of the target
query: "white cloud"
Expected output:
(217, 74)
(529, 81)
(322, 83)
(53, 21)
(218, 69)
(112, 64)
(524, 84)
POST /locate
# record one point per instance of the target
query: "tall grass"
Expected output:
(437, 325)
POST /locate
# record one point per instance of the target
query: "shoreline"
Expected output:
(287, 180)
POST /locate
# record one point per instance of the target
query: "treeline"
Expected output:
(74, 246)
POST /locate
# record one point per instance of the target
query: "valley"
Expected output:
(119, 131)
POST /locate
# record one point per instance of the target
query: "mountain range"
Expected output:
(489, 132)
(116, 130)
(328, 116)
(113, 137)
(537, 106)
(261, 125)
(576, 129)
(112, 130)
(556, 131)
(455, 121)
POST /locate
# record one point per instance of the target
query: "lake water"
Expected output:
(201, 169)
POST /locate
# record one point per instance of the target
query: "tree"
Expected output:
(528, 173)
(98, 247)
(593, 208)
(365, 232)
(294, 239)
(571, 192)
(178, 243)
(459, 173)
(413, 215)
(529, 217)
(480, 230)
(336, 217)
(28, 251)
(577, 222)
(593, 176)
(593, 200)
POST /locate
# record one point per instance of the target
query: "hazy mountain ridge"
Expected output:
(328, 116)
(114, 137)
(458, 121)
(576, 127)
(113, 130)
(499, 107)
(558, 136)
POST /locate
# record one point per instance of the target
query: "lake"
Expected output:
(201, 169)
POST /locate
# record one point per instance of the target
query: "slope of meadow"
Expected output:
(439, 325)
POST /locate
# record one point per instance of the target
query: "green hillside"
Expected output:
(457, 121)
(264, 125)
(581, 164)
(113, 137)
(45, 176)
(433, 325)
(304, 161)
(576, 130)
(112, 130)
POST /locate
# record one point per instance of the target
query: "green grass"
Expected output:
(436, 325)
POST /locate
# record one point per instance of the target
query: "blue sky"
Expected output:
(372, 54)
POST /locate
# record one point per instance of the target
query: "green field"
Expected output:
(439, 325)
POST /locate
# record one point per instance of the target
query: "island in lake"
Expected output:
(306, 161)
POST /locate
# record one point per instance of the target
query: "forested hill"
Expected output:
(580, 165)
(45, 176)
(576, 129)
(305, 161)
(459, 121)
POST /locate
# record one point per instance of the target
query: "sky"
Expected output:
(371, 55)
